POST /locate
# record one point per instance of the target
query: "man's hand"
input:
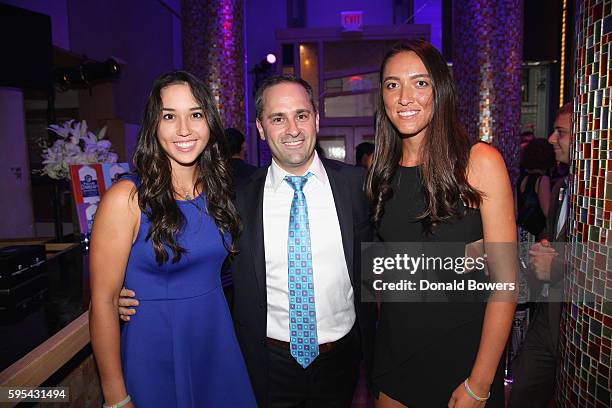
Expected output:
(541, 256)
(127, 304)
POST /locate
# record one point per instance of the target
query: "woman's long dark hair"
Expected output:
(445, 150)
(156, 195)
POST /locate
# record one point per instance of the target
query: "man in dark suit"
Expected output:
(338, 221)
(299, 320)
(241, 170)
(535, 372)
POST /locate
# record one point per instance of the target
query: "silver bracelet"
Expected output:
(120, 404)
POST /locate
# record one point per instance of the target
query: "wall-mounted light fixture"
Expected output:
(87, 74)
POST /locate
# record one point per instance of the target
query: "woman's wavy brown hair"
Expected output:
(156, 194)
(445, 151)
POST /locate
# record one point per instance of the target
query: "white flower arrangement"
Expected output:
(75, 145)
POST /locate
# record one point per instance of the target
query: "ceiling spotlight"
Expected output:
(263, 69)
(265, 65)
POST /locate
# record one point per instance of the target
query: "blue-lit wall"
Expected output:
(324, 13)
(263, 17)
(430, 12)
(57, 10)
(140, 32)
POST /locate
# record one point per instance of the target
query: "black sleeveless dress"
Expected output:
(425, 350)
(530, 216)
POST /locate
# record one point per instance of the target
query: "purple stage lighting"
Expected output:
(271, 58)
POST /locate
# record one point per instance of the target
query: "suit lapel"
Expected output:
(254, 240)
(344, 210)
(560, 237)
(559, 206)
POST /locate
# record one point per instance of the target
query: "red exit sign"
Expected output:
(351, 20)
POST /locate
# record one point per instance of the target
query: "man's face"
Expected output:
(289, 125)
(561, 136)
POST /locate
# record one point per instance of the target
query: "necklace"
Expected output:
(187, 194)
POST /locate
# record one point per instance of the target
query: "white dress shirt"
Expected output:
(562, 213)
(332, 286)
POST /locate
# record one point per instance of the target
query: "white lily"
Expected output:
(75, 145)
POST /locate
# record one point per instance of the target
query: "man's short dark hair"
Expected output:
(280, 79)
(567, 108)
(235, 139)
(362, 149)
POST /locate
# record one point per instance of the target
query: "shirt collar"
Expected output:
(276, 174)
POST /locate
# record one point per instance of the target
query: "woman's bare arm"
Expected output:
(115, 225)
(487, 173)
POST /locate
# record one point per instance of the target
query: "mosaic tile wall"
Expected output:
(487, 55)
(586, 327)
(213, 50)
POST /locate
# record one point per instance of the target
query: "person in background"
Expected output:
(320, 150)
(533, 188)
(165, 232)
(527, 137)
(533, 197)
(241, 170)
(535, 371)
(429, 184)
(363, 154)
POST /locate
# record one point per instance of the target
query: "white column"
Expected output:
(15, 187)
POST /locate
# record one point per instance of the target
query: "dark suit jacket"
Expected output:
(558, 267)
(241, 171)
(249, 270)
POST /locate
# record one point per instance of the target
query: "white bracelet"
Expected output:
(471, 393)
(120, 404)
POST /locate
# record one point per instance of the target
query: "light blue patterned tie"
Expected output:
(302, 315)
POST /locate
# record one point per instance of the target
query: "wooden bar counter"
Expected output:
(45, 340)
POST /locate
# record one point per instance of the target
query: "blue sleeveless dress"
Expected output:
(180, 349)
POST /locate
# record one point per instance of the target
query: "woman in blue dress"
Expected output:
(164, 233)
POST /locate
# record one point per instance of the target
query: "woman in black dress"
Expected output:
(429, 184)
